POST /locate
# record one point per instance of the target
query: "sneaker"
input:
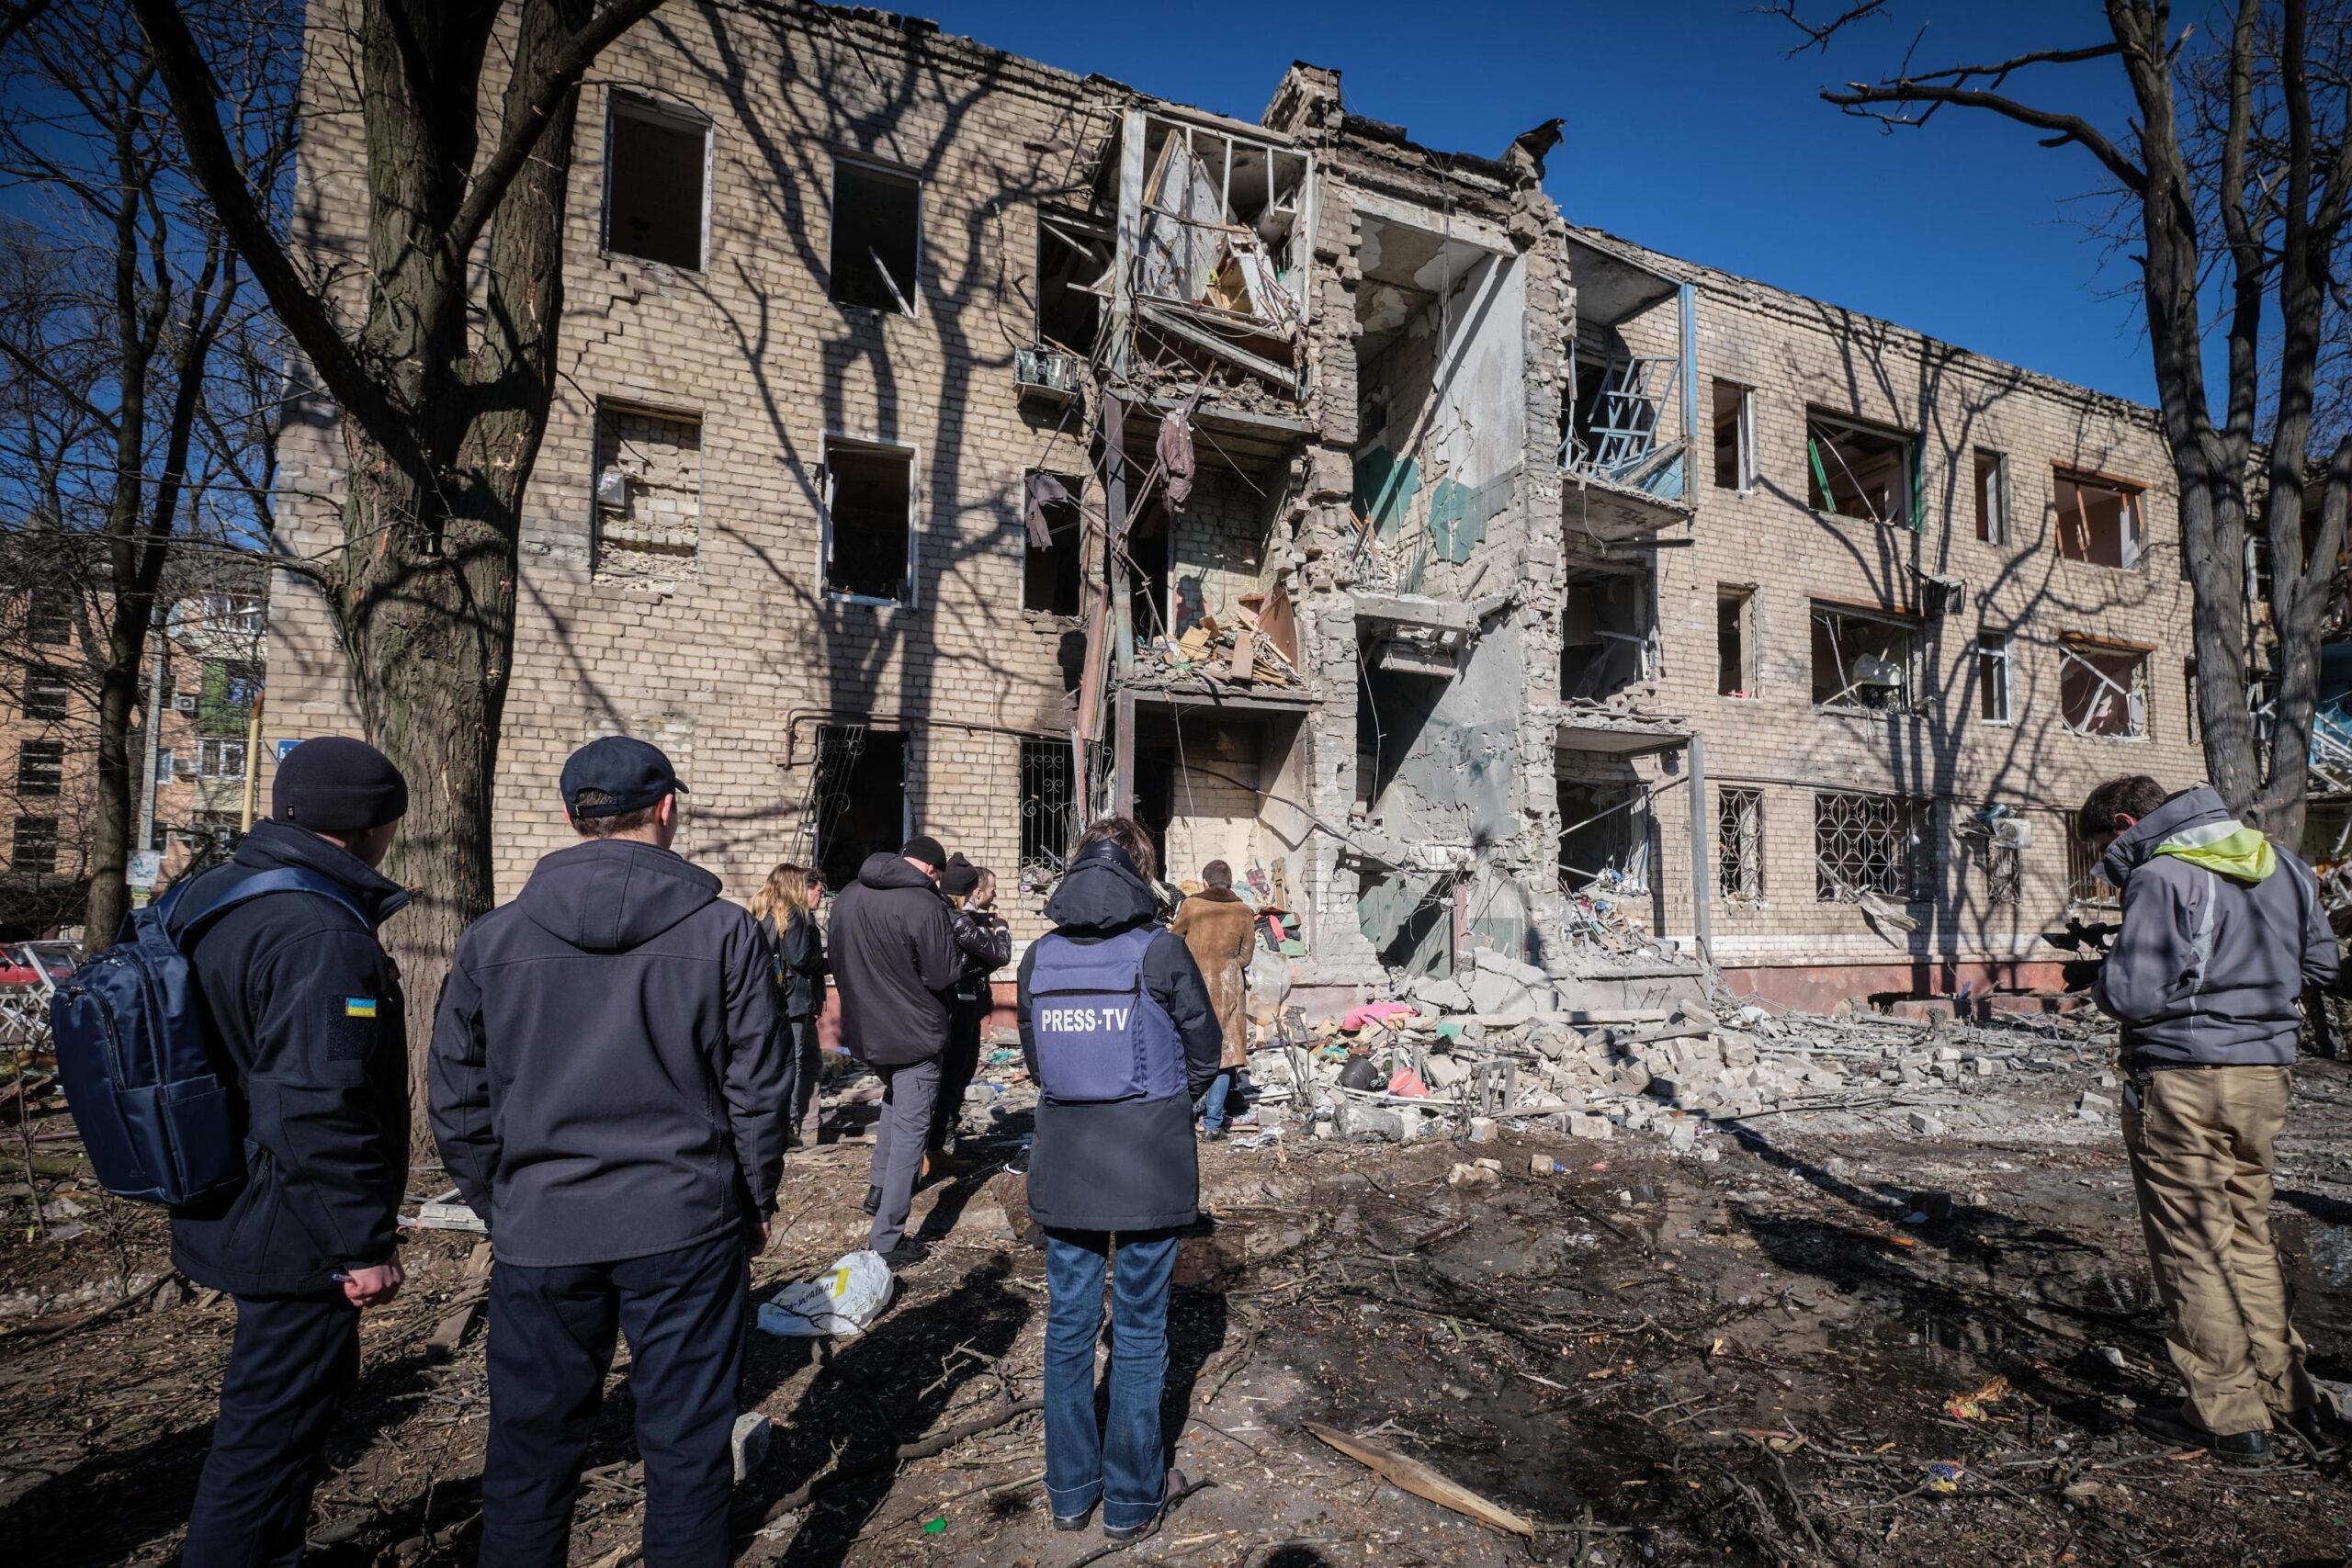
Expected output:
(874, 1200)
(2175, 1427)
(905, 1255)
(1176, 1484)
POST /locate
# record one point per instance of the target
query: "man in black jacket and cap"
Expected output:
(306, 1008)
(894, 961)
(609, 1093)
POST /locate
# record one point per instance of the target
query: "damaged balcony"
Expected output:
(1630, 403)
(1609, 665)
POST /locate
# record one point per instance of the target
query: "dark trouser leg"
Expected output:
(898, 1148)
(550, 1344)
(293, 1361)
(1074, 1265)
(958, 1065)
(684, 1314)
(804, 1069)
(1135, 1459)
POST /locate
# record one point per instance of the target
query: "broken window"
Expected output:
(869, 522)
(1607, 634)
(1863, 663)
(2085, 886)
(1736, 641)
(877, 236)
(1739, 844)
(1863, 843)
(1605, 836)
(1996, 679)
(657, 163)
(648, 495)
(1735, 436)
(2004, 874)
(860, 802)
(2102, 688)
(2098, 521)
(45, 693)
(40, 767)
(49, 616)
(33, 846)
(1048, 809)
(1074, 266)
(1856, 470)
(1992, 497)
(1618, 398)
(1051, 501)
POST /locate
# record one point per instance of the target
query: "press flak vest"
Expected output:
(1100, 1036)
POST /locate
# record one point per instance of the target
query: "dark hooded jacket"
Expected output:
(306, 1007)
(2222, 933)
(1127, 1165)
(895, 958)
(800, 966)
(608, 1068)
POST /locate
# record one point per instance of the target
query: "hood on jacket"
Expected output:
(887, 868)
(1102, 894)
(610, 895)
(272, 843)
(2194, 826)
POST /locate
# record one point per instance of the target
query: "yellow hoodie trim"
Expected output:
(2227, 849)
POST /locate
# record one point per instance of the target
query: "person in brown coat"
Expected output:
(1218, 929)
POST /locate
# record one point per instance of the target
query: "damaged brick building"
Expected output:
(950, 442)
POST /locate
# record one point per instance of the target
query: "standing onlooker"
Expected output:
(307, 1007)
(786, 907)
(2221, 932)
(607, 1091)
(987, 946)
(1120, 1037)
(896, 960)
(1220, 929)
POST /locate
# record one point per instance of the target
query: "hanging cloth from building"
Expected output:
(1175, 451)
(1042, 491)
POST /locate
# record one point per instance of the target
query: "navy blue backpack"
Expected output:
(136, 1055)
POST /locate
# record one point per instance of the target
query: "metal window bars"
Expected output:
(826, 798)
(2086, 888)
(1739, 844)
(2003, 874)
(1048, 811)
(1864, 844)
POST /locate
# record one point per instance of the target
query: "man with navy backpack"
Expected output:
(305, 1008)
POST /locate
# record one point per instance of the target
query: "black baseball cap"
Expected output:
(631, 774)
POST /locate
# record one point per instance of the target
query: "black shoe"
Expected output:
(905, 1255)
(873, 1199)
(1074, 1521)
(1212, 1135)
(2312, 1430)
(2175, 1426)
(1176, 1484)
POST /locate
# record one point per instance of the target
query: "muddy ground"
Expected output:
(1655, 1358)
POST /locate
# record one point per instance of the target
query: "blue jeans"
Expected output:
(1121, 1462)
(1229, 1084)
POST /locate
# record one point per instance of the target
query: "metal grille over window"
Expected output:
(40, 767)
(2003, 874)
(1048, 810)
(2086, 888)
(1862, 843)
(1739, 842)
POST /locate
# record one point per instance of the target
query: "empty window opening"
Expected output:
(2102, 689)
(1607, 635)
(657, 163)
(2085, 886)
(648, 495)
(1735, 642)
(1605, 837)
(1992, 497)
(1862, 662)
(49, 616)
(1051, 504)
(869, 522)
(877, 235)
(1735, 436)
(1048, 809)
(45, 693)
(1995, 678)
(1150, 547)
(219, 759)
(861, 798)
(2003, 874)
(1864, 843)
(32, 849)
(1854, 470)
(2098, 521)
(1391, 709)
(1074, 267)
(40, 767)
(1739, 845)
(1617, 400)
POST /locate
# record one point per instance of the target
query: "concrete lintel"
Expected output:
(1614, 736)
(1460, 225)
(1412, 610)
(1162, 699)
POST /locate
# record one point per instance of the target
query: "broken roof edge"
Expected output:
(1802, 306)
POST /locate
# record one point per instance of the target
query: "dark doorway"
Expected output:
(861, 798)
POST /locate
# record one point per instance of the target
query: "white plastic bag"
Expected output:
(843, 1300)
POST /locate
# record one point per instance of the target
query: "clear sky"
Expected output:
(1689, 132)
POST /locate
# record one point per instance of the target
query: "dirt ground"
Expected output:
(1658, 1360)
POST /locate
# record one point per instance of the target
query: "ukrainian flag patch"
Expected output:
(358, 1007)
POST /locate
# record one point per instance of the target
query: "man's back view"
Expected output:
(608, 1094)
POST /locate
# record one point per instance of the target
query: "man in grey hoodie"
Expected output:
(2222, 933)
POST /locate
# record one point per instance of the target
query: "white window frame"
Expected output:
(913, 310)
(2134, 702)
(1750, 469)
(630, 103)
(1997, 511)
(211, 749)
(2005, 649)
(2135, 539)
(835, 441)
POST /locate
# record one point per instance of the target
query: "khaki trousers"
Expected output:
(2200, 1141)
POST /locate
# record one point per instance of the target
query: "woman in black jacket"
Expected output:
(786, 907)
(986, 943)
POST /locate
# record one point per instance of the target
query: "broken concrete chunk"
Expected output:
(1494, 993)
(1582, 1124)
(1488, 959)
(1370, 1123)
(1927, 1123)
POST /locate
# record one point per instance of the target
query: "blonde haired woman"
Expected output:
(786, 907)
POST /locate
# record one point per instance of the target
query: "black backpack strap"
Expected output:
(185, 928)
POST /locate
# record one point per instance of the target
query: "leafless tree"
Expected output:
(2233, 177)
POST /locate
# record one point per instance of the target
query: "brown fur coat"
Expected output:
(1219, 927)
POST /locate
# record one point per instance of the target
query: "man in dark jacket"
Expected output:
(2222, 933)
(607, 1092)
(1118, 1031)
(306, 1007)
(895, 960)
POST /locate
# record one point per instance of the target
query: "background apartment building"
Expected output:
(949, 442)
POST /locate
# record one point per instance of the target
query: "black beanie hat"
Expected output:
(958, 877)
(925, 848)
(337, 784)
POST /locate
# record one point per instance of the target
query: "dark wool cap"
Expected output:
(958, 877)
(337, 784)
(925, 848)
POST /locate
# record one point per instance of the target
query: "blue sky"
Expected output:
(1687, 130)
